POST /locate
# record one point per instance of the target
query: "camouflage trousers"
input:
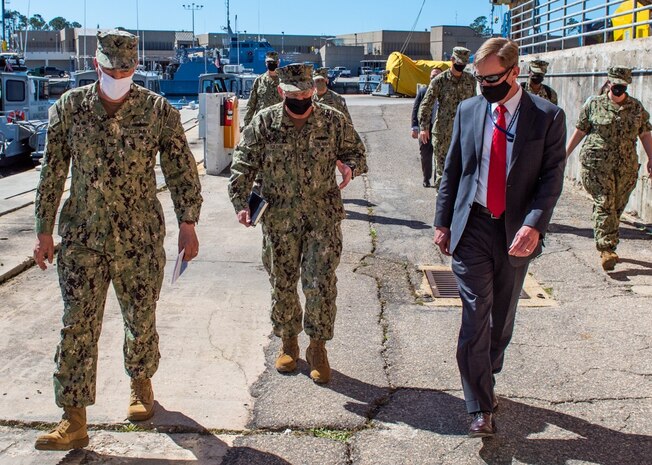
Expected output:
(610, 185)
(440, 149)
(293, 248)
(84, 277)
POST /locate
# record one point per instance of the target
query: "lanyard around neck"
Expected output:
(507, 131)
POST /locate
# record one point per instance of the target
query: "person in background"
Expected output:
(425, 149)
(448, 89)
(534, 84)
(611, 123)
(264, 91)
(328, 96)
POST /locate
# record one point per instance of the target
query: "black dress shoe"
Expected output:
(426, 183)
(482, 426)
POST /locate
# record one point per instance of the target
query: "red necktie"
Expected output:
(497, 166)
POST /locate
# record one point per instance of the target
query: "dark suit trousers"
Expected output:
(489, 287)
(426, 159)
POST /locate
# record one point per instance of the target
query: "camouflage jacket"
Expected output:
(112, 197)
(613, 128)
(297, 167)
(264, 93)
(543, 92)
(335, 100)
(449, 91)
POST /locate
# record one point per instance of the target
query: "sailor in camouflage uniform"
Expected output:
(264, 91)
(295, 146)
(449, 89)
(534, 84)
(111, 225)
(611, 123)
(327, 96)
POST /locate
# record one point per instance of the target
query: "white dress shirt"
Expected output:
(511, 105)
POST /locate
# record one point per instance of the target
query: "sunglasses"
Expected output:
(492, 78)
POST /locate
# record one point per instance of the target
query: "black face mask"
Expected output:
(272, 66)
(536, 79)
(459, 67)
(298, 106)
(618, 89)
(496, 93)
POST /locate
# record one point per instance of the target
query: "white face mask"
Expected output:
(113, 88)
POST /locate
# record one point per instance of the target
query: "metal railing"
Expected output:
(545, 25)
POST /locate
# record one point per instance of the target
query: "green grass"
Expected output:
(332, 434)
(131, 428)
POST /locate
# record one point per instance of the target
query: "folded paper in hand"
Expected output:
(257, 206)
(179, 267)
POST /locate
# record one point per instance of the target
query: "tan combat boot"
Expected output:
(317, 358)
(141, 405)
(286, 362)
(70, 433)
(608, 259)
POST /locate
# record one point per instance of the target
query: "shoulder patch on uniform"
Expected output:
(53, 116)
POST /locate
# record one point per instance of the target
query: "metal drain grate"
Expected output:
(444, 285)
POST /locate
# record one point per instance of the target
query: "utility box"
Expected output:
(220, 128)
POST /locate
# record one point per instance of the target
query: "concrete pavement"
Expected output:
(576, 387)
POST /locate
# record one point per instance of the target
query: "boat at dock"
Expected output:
(24, 104)
(181, 78)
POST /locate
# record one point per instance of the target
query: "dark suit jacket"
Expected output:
(535, 175)
(415, 108)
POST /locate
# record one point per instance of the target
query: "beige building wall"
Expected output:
(444, 38)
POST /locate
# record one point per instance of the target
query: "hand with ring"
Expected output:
(525, 238)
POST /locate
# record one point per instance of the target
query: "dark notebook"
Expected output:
(257, 206)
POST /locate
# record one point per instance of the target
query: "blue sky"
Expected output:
(264, 16)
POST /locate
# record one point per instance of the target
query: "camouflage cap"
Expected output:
(620, 75)
(539, 66)
(320, 73)
(295, 77)
(461, 55)
(117, 49)
(271, 56)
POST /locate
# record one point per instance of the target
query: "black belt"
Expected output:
(477, 208)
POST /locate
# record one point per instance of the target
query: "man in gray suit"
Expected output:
(502, 178)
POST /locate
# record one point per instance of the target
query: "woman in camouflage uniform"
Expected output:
(611, 122)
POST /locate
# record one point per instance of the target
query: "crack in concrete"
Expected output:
(349, 453)
(221, 351)
(592, 400)
(9, 446)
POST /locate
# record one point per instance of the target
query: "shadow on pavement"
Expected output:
(626, 233)
(187, 434)
(359, 202)
(412, 224)
(526, 434)
(624, 275)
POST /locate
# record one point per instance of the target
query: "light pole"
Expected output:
(85, 68)
(282, 42)
(192, 7)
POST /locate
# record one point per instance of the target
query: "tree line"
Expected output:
(14, 20)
